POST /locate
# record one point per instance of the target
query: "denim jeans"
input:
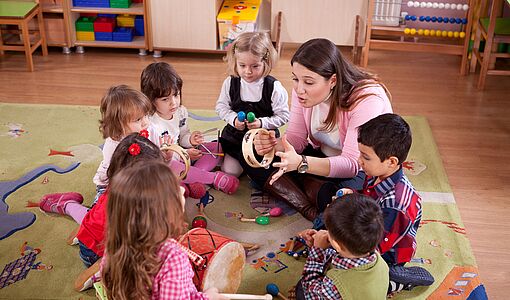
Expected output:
(87, 256)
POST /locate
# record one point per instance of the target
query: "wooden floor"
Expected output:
(471, 128)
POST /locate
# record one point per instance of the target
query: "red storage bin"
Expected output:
(103, 24)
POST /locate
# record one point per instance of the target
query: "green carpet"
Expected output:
(28, 132)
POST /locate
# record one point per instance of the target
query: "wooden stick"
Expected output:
(247, 296)
(213, 153)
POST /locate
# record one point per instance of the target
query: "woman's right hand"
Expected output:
(264, 142)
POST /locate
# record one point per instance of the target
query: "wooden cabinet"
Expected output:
(189, 25)
(304, 19)
(137, 9)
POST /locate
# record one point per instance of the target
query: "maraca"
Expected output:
(199, 221)
(250, 117)
(274, 291)
(241, 116)
(275, 212)
(261, 220)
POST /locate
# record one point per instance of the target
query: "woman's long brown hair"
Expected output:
(324, 58)
(144, 209)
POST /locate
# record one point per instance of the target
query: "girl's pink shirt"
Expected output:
(344, 165)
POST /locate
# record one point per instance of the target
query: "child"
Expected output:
(161, 83)
(384, 143)
(145, 214)
(351, 269)
(249, 88)
(91, 232)
(123, 111)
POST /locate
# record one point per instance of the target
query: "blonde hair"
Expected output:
(119, 106)
(144, 209)
(258, 44)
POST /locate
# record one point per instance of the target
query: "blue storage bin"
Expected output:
(139, 27)
(103, 36)
(107, 15)
(91, 3)
(123, 34)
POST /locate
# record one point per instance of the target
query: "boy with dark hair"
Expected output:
(342, 261)
(384, 143)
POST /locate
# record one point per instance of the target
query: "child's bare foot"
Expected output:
(86, 279)
(71, 239)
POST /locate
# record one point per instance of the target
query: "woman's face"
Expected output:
(311, 88)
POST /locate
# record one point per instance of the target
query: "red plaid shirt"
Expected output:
(175, 278)
(401, 207)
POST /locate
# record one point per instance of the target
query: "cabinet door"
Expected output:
(189, 24)
(332, 19)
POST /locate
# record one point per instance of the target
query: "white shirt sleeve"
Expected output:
(223, 104)
(184, 131)
(280, 105)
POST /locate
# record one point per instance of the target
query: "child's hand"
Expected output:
(239, 125)
(212, 294)
(255, 124)
(194, 154)
(307, 235)
(196, 138)
(321, 239)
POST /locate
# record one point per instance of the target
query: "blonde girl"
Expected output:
(249, 88)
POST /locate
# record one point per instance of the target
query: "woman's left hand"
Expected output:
(196, 138)
(290, 160)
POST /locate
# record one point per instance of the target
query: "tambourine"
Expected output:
(182, 153)
(248, 154)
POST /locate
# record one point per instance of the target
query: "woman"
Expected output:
(331, 97)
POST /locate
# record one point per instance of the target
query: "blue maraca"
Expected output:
(274, 291)
(241, 116)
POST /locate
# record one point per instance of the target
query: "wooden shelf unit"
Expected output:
(138, 9)
(416, 43)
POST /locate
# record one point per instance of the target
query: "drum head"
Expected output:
(225, 269)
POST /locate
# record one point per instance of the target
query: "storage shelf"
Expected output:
(137, 43)
(135, 9)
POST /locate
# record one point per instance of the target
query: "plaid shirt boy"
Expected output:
(316, 284)
(401, 207)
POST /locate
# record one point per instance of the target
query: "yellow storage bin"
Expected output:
(85, 36)
(236, 17)
(126, 21)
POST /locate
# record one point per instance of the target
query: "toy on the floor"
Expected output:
(248, 154)
(274, 291)
(261, 220)
(219, 255)
(275, 211)
(297, 248)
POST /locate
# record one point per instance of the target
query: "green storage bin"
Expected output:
(85, 24)
(120, 3)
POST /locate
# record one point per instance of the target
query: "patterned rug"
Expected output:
(55, 148)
